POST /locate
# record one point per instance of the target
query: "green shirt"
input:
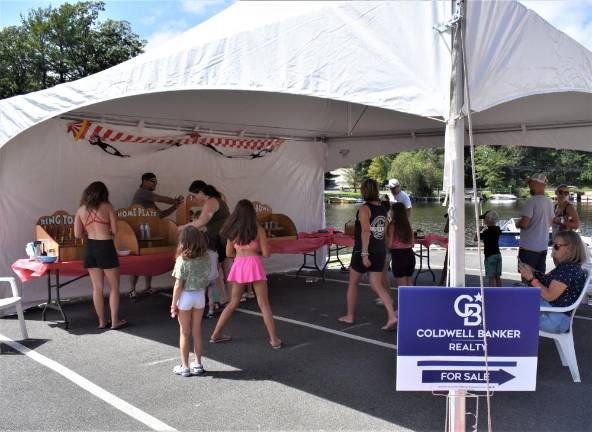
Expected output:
(195, 272)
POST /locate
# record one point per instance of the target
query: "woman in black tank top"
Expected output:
(369, 254)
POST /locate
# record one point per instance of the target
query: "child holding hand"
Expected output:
(192, 273)
(246, 241)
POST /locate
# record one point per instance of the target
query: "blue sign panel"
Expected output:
(442, 333)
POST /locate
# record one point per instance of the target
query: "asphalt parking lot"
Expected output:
(328, 376)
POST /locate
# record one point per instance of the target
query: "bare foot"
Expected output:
(390, 325)
(346, 319)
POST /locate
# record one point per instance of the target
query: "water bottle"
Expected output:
(142, 232)
(147, 231)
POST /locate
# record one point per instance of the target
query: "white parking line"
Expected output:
(152, 422)
(323, 329)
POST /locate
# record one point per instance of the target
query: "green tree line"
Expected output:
(55, 45)
(498, 168)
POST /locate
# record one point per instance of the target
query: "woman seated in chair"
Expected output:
(562, 286)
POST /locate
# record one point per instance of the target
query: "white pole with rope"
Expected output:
(454, 184)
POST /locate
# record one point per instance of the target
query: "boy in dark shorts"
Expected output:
(493, 257)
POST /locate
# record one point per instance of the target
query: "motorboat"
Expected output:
(511, 234)
(502, 198)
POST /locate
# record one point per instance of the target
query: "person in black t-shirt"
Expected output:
(493, 257)
(369, 254)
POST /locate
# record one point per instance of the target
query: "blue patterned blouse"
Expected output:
(572, 275)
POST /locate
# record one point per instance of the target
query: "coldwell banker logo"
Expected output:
(469, 308)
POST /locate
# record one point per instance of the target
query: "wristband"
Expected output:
(364, 253)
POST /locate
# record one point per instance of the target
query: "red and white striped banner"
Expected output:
(81, 129)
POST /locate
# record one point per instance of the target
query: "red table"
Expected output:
(425, 243)
(333, 239)
(137, 265)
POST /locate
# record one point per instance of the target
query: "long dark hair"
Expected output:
(241, 225)
(401, 223)
(94, 195)
(192, 243)
(201, 186)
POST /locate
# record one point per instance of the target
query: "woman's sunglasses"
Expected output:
(557, 246)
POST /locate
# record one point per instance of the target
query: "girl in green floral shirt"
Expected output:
(192, 274)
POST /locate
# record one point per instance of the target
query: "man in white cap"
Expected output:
(399, 195)
(536, 218)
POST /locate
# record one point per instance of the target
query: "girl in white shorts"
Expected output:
(192, 273)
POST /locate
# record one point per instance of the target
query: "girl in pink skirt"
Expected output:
(246, 242)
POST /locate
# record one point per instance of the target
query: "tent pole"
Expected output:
(455, 134)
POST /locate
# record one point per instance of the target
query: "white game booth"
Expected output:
(335, 82)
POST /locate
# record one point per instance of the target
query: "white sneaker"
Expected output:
(197, 369)
(180, 370)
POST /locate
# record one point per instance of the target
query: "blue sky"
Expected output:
(153, 20)
(157, 20)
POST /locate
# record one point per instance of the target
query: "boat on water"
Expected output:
(502, 198)
(511, 234)
(345, 200)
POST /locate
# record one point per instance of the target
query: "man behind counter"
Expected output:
(146, 197)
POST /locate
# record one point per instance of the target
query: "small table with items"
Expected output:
(136, 265)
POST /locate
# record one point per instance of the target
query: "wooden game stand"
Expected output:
(163, 232)
(276, 225)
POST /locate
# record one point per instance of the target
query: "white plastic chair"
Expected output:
(564, 341)
(16, 301)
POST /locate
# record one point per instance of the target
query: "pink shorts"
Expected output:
(246, 269)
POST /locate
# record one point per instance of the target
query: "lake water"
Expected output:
(429, 217)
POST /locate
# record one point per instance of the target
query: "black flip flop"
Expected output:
(120, 326)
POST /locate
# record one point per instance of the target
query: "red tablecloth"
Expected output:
(142, 265)
(432, 238)
(296, 246)
(341, 239)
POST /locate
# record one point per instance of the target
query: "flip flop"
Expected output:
(345, 321)
(223, 338)
(278, 346)
(122, 324)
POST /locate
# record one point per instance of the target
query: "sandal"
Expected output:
(122, 324)
(278, 346)
(210, 314)
(223, 338)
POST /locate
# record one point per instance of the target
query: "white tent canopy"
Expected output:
(363, 78)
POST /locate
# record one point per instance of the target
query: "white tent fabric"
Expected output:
(366, 77)
(37, 180)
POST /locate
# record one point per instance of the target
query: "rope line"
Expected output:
(474, 179)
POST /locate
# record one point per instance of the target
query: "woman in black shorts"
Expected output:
(96, 222)
(369, 253)
(401, 237)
